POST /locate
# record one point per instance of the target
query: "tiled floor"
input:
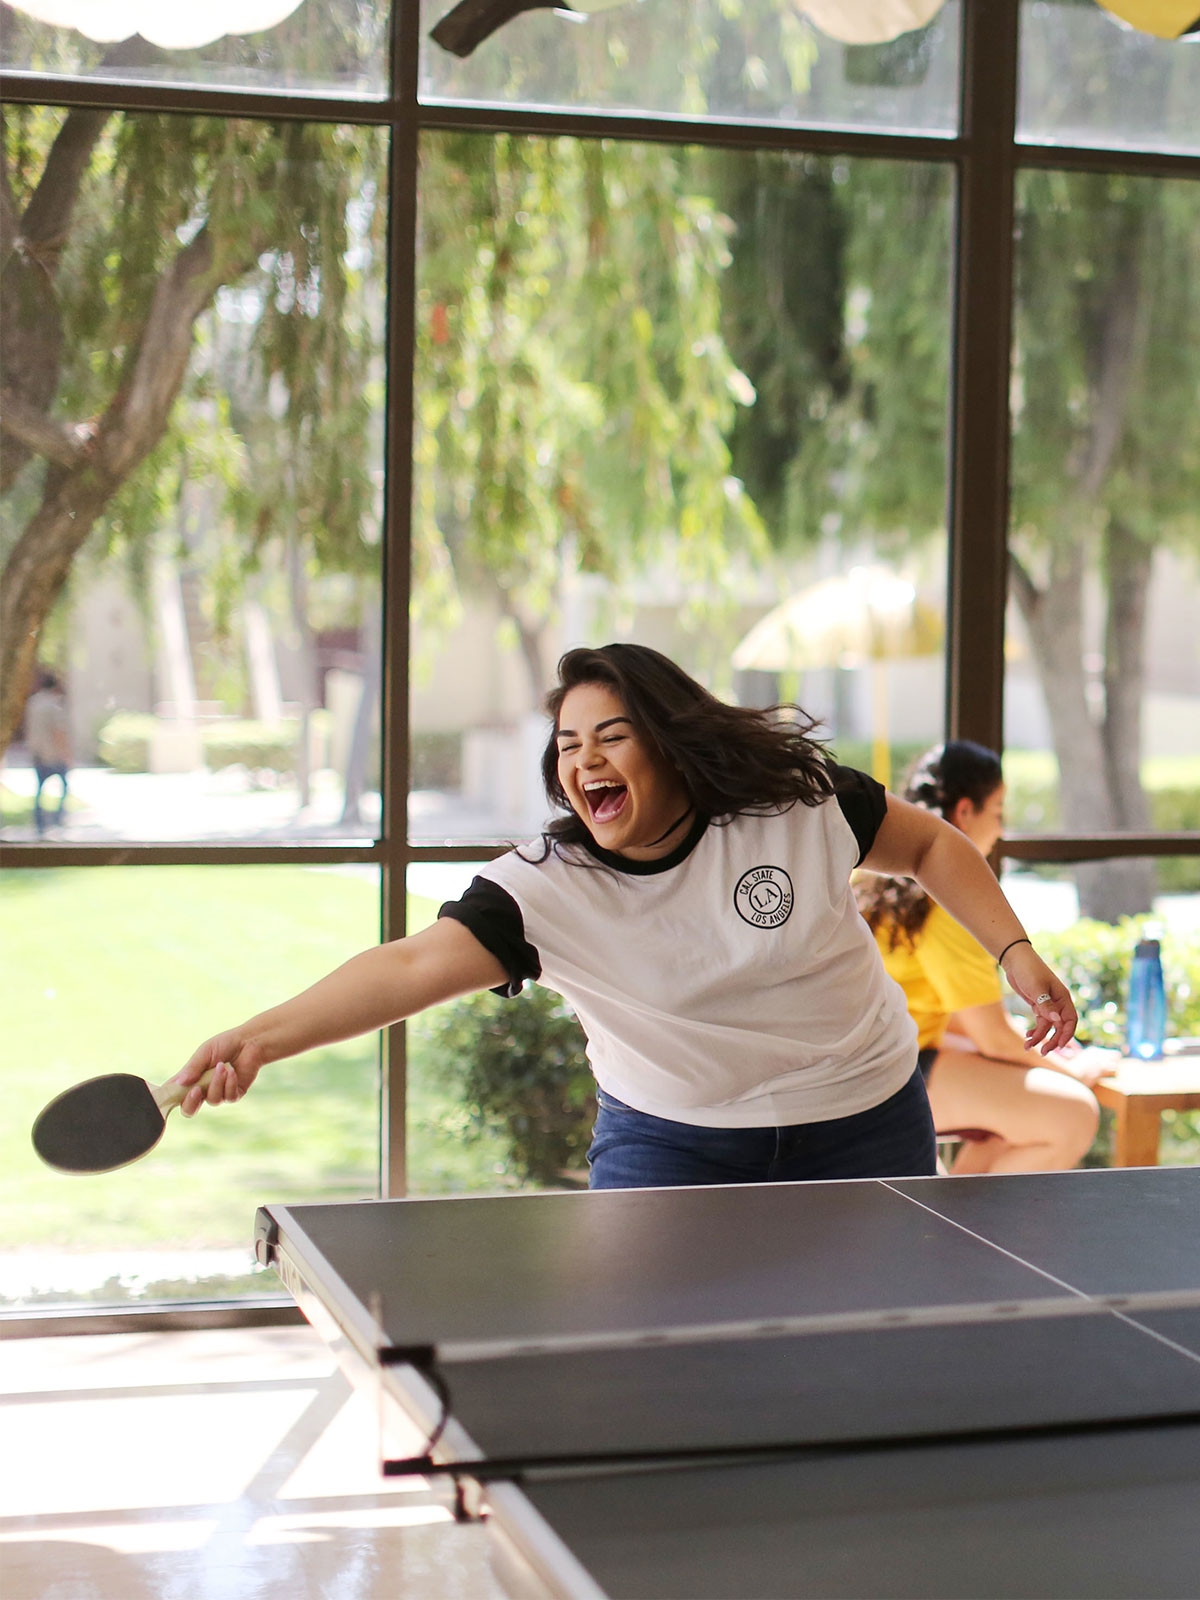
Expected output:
(224, 1465)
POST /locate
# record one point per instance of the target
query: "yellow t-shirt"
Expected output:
(945, 971)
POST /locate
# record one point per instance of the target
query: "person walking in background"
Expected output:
(47, 737)
(1036, 1115)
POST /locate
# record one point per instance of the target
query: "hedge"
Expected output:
(123, 743)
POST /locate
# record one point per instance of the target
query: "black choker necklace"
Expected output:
(681, 818)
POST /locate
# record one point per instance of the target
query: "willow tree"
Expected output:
(160, 273)
(119, 234)
(1106, 469)
(849, 359)
(575, 395)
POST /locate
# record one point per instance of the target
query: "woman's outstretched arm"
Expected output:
(378, 987)
(914, 843)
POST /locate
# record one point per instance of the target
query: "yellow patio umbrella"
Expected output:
(867, 616)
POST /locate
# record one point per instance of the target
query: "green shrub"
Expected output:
(521, 1070)
(858, 753)
(123, 742)
(16, 810)
(258, 746)
(1093, 960)
(436, 761)
(1177, 810)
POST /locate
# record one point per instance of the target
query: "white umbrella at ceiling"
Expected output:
(869, 21)
(865, 617)
(182, 25)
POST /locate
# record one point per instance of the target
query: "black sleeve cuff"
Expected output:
(863, 802)
(494, 917)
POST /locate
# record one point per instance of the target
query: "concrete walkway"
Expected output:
(106, 807)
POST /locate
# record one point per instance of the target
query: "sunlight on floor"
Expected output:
(224, 1465)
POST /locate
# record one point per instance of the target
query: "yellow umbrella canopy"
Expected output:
(865, 617)
(1165, 19)
(866, 614)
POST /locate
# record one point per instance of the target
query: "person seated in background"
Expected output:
(1026, 1114)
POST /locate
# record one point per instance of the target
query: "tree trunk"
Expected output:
(34, 575)
(307, 657)
(1098, 757)
(1128, 563)
(360, 738)
(1123, 887)
(1054, 618)
(135, 420)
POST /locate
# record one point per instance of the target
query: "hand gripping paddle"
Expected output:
(105, 1122)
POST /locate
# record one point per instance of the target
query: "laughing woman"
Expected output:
(692, 901)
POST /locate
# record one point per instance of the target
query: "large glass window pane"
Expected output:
(680, 396)
(193, 363)
(500, 1095)
(129, 969)
(1088, 78)
(1102, 693)
(1094, 956)
(290, 46)
(765, 60)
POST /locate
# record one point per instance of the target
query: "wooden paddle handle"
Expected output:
(169, 1095)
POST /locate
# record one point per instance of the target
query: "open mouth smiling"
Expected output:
(606, 798)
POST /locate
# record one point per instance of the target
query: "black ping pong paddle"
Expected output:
(106, 1122)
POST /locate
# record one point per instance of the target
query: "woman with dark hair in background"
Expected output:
(692, 902)
(1034, 1117)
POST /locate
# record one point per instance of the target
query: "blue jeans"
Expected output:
(632, 1150)
(44, 774)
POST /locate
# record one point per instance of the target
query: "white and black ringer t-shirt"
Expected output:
(732, 983)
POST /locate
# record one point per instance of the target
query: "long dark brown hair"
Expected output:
(950, 772)
(731, 759)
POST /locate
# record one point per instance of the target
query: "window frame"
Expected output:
(985, 156)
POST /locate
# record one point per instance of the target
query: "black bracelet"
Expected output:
(1008, 947)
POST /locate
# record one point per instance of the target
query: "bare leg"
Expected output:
(1040, 1120)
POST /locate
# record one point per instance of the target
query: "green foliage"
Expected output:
(849, 360)
(275, 434)
(520, 1069)
(1093, 959)
(258, 746)
(16, 810)
(858, 753)
(1092, 248)
(573, 384)
(124, 742)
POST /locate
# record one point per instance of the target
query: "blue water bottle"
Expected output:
(1147, 1002)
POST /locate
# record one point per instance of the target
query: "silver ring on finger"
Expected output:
(1041, 999)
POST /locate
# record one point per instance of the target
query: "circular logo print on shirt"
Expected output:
(763, 897)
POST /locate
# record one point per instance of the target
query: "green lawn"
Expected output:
(129, 969)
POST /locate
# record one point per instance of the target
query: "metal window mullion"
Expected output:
(403, 159)
(978, 520)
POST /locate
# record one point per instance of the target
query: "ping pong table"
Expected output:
(929, 1387)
